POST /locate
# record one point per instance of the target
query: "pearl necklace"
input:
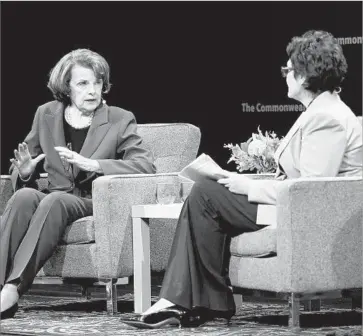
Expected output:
(78, 121)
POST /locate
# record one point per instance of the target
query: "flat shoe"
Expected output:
(171, 316)
(172, 321)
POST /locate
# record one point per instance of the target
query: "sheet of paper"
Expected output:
(203, 167)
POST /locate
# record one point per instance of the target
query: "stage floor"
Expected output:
(67, 313)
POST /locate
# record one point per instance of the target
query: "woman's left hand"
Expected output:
(236, 183)
(80, 161)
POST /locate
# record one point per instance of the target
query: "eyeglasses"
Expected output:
(285, 70)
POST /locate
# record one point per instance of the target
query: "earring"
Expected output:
(338, 89)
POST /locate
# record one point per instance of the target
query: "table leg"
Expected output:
(142, 275)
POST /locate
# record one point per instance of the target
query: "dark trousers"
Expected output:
(198, 271)
(31, 227)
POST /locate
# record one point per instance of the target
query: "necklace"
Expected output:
(78, 120)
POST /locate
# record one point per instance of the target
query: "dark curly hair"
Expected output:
(318, 57)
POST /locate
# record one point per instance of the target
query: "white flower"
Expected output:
(257, 153)
(256, 147)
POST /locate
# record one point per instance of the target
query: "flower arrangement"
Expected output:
(257, 153)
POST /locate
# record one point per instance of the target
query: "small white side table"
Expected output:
(141, 247)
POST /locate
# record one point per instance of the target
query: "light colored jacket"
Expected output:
(325, 141)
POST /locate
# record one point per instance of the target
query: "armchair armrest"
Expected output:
(113, 196)
(6, 189)
(265, 176)
(319, 232)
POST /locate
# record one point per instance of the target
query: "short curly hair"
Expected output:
(60, 75)
(318, 57)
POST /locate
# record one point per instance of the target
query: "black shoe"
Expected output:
(205, 314)
(10, 312)
(194, 319)
(171, 316)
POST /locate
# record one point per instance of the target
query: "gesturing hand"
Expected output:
(24, 162)
(80, 161)
(236, 183)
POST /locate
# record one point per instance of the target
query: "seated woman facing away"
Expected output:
(325, 141)
(80, 138)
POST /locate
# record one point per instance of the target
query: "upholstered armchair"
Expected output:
(315, 249)
(99, 248)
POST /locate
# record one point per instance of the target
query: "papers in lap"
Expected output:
(203, 167)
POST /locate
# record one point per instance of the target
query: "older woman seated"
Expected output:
(326, 140)
(80, 138)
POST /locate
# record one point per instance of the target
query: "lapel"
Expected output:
(54, 120)
(285, 141)
(95, 134)
(55, 123)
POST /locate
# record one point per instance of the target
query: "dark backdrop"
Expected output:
(190, 62)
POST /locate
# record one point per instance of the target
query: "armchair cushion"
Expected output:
(255, 244)
(82, 231)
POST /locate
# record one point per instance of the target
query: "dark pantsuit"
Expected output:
(198, 270)
(31, 228)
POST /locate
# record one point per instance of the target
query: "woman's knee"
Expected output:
(61, 201)
(204, 188)
(20, 208)
(53, 198)
(24, 197)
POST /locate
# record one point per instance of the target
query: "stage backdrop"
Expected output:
(215, 65)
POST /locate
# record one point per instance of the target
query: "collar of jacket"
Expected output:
(322, 100)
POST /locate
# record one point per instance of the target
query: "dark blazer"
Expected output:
(112, 140)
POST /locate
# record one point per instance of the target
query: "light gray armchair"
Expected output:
(99, 248)
(315, 250)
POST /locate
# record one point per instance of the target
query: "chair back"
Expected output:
(173, 145)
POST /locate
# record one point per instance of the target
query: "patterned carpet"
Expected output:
(40, 315)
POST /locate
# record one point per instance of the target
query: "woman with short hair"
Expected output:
(325, 141)
(80, 138)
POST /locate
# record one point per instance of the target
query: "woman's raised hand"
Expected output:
(24, 162)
